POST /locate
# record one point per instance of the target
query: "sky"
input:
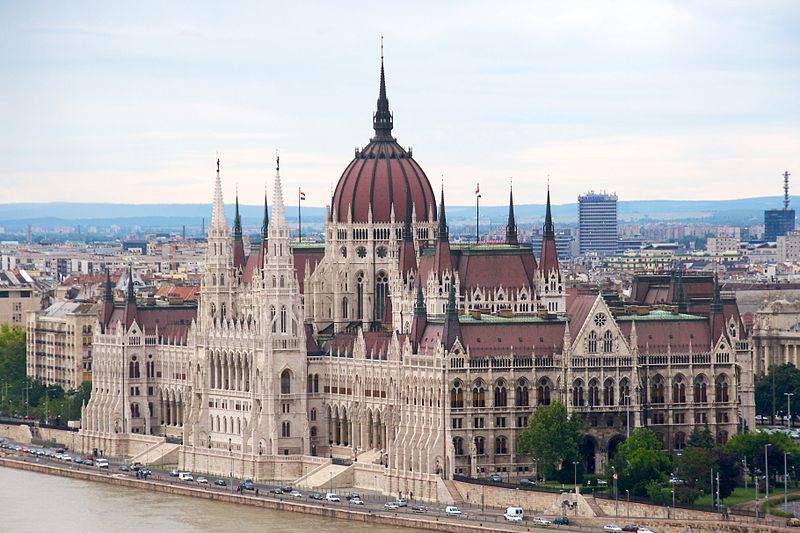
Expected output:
(130, 102)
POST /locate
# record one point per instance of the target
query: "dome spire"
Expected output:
(382, 119)
(511, 226)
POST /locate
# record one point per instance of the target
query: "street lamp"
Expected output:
(575, 474)
(789, 407)
(785, 480)
(766, 475)
(673, 501)
(628, 497)
(616, 494)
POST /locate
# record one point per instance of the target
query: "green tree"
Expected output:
(750, 447)
(770, 389)
(12, 368)
(694, 467)
(639, 460)
(701, 438)
(552, 437)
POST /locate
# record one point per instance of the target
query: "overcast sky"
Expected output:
(129, 102)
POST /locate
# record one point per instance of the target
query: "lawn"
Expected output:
(741, 495)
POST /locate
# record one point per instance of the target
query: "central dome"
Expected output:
(380, 176)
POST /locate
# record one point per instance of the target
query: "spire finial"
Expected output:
(381, 49)
(382, 119)
(217, 162)
(277, 161)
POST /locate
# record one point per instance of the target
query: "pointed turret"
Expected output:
(262, 249)
(716, 318)
(130, 301)
(382, 119)
(108, 300)
(443, 261)
(452, 328)
(408, 256)
(218, 208)
(238, 243)
(420, 318)
(511, 225)
(548, 260)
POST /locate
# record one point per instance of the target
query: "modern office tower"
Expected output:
(779, 222)
(597, 221)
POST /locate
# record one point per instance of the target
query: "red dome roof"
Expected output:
(380, 176)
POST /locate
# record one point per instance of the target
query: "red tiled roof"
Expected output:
(659, 336)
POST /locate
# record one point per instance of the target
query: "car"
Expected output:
(391, 506)
(67, 458)
(315, 495)
(353, 496)
(137, 466)
(77, 461)
(632, 528)
(514, 514)
(332, 497)
(612, 528)
(357, 501)
(174, 472)
(286, 488)
(89, 462)
(793, 522)
(202, 479)
(602, 483)
(418, 508)
(101, 463)
(541, 521)
(124, 468)
(402, 502)
(144, 472)
(247, 484)
(220, 483)
(561, 521)
(452, 510)
(644, 530)
(185, 476)
(295, 493)
(276, 490)
(59, 456)
(496, 478)
(525, 482)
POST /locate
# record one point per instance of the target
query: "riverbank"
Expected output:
(280, 505)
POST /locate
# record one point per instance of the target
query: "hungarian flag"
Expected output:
(302, 195)
(478, 190)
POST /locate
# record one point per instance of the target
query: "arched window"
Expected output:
(458, 445)
(344, 307)
(480, 448)
(500, 445)
(457, 396)
(608, 392)
(593, 342)
(272, 318)
(381, 292)
(500, 394)
(594, 393)
(577, 393)
(680, 440)
(274, 282)
(313, 415)
(478, 395)
(608, 342)
(700, 390)
(223, 311)
(286, 429)
(283, 281)
(521, 393)
(543, 392)
(624, 392)
(286, 382)
(360, 296)
(657, 390)
(283, 319)
(316, 382)
(222, 279)
(678, 390)
(721, 388)
(214, 276)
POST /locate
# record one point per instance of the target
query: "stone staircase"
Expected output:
(458, 499)
(160, 453)
(321, 477)
(370, 457)
(598, 511)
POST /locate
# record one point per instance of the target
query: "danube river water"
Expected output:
(38, 503)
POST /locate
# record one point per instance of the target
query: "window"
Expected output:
(657, 390)
(679, 418)
(478, 395)
(457, 423)
(477, 422)
(594, 393)
(521, 396)
(286, 379)
(543, 392)
(458, 445)
(680, 441)
(381, 293)
(608, 342)
(522, 421)
(286, 429)
(721, 389)
(500, 394)
(283, 319)
(700, 390)
(480, 449)
(313, 415)
(381, 251)
(592, 347)
(457, 396)
(500, 422)
(361, 252)
(608, 392)
(679, 390)
(577, 393)
(500, 445)
(600, 320)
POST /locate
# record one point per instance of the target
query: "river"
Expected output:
(39, 503)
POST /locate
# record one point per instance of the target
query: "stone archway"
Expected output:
(588, 455)
(613, 444)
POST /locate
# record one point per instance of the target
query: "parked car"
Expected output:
(247, 484)
(496, 478)
(124, 468)
(644, 530)
(452, 510)
(632, 528)
(612, 528)
(332, 497)
(295, 493)
(220, 483)
(275, 490)
(353, 496)
(561, 521)
(793, 522)
(514, 514)
(174, 472)
(391, 506)
(315, 495)
(286, 488)
(402, 502)
(525, 482)
(418, 508)
(357, 501)
(541, 521)
(101, 463)
(185, 476)
(203, 480)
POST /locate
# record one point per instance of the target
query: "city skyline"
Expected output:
(134, 103)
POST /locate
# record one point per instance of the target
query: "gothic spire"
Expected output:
(108, 296)
(237, 220)
(442, 260)
(265, 223)
(452, 327)
(443, 231)
(511, 226)
(549, 231)
(131, 294)
(420, 318)
(408, 255)
(419, 305)
(218, 209)
(382, 119)
(408, 234)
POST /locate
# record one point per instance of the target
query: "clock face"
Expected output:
(362, 252)
(382, 251)
(600, 320)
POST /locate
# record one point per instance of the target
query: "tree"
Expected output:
(770, 389)
(750, 447)
(639, 460)
(694, 468)
(701, 438)
(552, 437)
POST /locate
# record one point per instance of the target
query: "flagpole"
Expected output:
(299, 220)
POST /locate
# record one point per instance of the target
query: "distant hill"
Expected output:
(14, 217)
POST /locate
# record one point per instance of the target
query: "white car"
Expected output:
(391, 506)
(101, 463)
(67, 458)
(296, 493)
(541, 521)
(357, 501)
(612, 528)
(452, 510)
(331, 497)
(203, 480)
(644, 530)
(185, 476)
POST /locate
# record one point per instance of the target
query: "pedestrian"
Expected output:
(411, 495)
(256, 491)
